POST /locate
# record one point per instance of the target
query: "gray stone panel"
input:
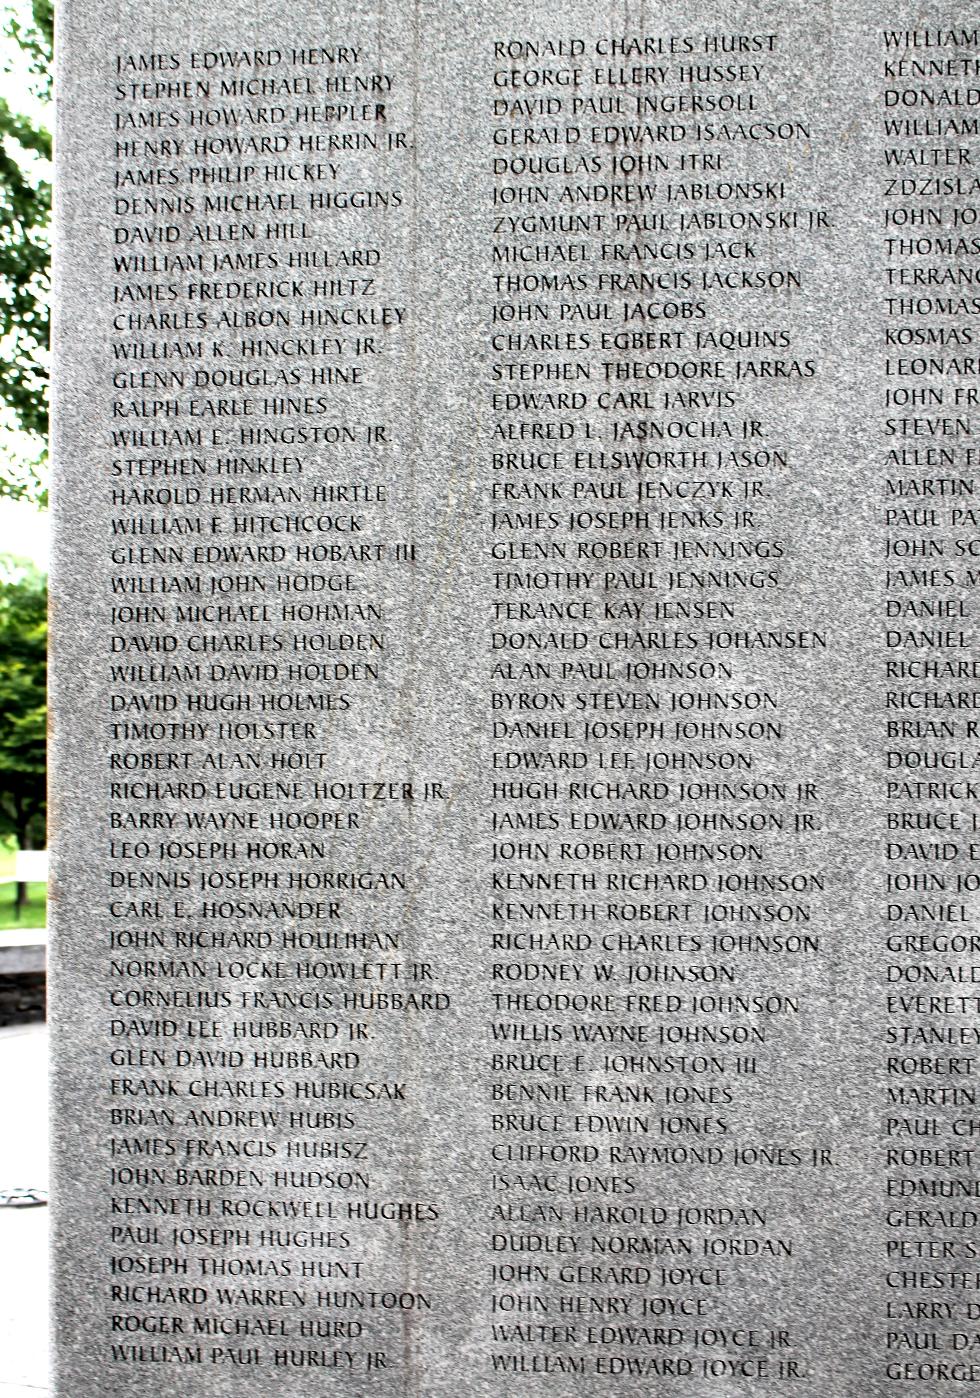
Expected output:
(513, 660)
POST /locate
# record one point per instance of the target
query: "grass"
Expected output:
(8, 853)
(34, 913)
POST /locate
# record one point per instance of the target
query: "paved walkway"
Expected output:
(23, 1232)
(23, 936)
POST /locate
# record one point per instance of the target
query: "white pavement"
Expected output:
(24, 1232)
(24, 937)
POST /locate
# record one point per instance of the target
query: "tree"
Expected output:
(25, 255)
(23, 705)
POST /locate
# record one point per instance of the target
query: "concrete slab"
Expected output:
(23, 949)
(21, 960)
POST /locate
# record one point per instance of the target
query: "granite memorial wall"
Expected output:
(515, 716)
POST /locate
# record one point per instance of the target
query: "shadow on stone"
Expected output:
(23, 999)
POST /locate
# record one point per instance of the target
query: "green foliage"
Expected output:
(25, 256)
(37, 41)
(23, 702)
